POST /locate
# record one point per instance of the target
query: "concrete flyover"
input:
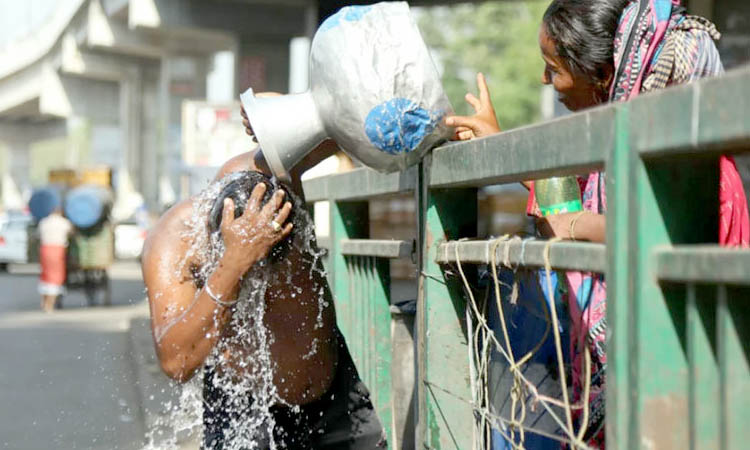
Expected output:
(101, 82)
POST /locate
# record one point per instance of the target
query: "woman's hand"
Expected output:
(556, 225)
(250, 237)
(483, 123)
(588, 226)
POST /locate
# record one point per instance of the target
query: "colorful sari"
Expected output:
(656, 45)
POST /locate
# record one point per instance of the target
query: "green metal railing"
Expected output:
(678, 374)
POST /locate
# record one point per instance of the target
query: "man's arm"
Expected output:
(186, 321)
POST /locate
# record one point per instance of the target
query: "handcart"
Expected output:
(90, 254)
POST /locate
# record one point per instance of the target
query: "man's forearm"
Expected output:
(186, 343)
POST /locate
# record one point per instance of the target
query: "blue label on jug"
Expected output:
(346, 14)
(399, 125)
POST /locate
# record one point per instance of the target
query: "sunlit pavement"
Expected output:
(68, 379)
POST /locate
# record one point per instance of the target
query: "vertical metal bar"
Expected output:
(350, 317)
(703, 367)
(359, 325)
(658, 215)
(348, 220)
(382, 343)
(446, 420)
(372, 334)
(621, 354)
(722, 318)
(367, 324)
(733, 336)
(692, 325)
(420, 410)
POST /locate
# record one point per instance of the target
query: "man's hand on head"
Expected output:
(250, 237)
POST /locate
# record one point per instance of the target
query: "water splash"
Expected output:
(246, 378)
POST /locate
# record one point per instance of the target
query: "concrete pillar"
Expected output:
(151, 140)
(18, 164)
(17, 138)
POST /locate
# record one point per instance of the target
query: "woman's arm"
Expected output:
(187, 321)
(588, 226)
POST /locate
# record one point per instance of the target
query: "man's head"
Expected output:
(239, 190)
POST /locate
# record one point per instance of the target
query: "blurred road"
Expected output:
(67, 379)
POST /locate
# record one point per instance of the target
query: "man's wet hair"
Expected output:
(239, 190)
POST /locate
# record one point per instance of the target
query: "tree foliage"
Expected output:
(497, 38)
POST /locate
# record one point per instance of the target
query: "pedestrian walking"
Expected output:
(54, 231)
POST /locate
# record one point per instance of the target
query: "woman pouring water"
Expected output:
(237, 294)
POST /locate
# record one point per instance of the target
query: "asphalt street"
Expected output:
(67, 379)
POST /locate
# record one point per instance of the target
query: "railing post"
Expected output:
(349, 220)
(621, 394)
(361, 286)
(653, 202)
(445, 419)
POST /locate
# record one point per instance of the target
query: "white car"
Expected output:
(14, 238)
(129, 238)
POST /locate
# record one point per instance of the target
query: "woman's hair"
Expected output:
(583, 32)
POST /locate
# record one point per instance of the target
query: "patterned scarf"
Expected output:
(655, 46)
(651, 47)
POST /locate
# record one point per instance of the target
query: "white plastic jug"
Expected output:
(374, 89)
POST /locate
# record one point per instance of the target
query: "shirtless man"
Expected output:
(192, 314)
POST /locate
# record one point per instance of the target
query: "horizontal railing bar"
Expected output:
(564, 255)
(378, 248)
(575, 144)
(707, 117)
(359, 184)
(703, 264)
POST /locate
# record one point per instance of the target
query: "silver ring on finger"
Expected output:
(276, 226)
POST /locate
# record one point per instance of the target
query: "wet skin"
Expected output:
(183, 316)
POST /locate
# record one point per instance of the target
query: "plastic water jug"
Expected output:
(374, 89)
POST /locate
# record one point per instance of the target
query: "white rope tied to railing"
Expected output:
(481, 340)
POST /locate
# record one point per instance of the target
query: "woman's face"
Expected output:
(574, 91)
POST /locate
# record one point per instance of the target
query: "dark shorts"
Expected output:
(343, 418)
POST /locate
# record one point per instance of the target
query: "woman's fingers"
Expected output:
(256, 197)
(468, 122)
(473, 101)
(465, 135)
(484, 91)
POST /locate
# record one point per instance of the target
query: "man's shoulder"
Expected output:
(243, 161)
(167, 233)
